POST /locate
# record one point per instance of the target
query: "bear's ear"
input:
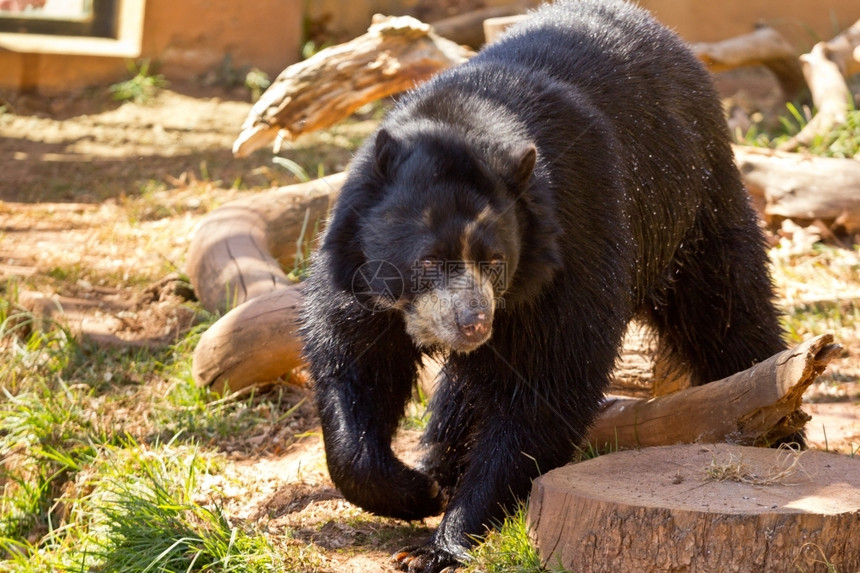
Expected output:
(523, 162)
(385, 149)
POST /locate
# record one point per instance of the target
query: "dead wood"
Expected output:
(763, 47)
(825, 68)
(700, 508)
(496, 26)
(240, 249)
(398, 53)
(757, 406)
(108, 317)
(802, 187)
(394, 55)
(469, 28)
(255, 343)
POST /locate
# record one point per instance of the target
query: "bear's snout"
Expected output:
(475, 326)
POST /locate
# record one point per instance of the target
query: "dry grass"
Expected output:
(734, 468)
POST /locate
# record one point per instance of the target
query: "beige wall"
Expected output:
(186, 37)
(803, 22)
(695, 20)
(191, 37)
(346, 19)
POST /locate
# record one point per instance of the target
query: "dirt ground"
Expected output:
(98, 202)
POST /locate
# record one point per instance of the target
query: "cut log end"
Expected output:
(254, 344)
(700, 508)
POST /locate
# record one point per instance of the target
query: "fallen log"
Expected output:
(258, 342)
(700, 508)
(758, 406)
(763, 47)
(825, 68)
(254, 344)
(801, 186)
(240, 249)
(394, 55)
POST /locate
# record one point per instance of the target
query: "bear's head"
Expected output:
(443, 239)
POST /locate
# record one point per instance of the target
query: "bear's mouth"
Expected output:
(452, 318)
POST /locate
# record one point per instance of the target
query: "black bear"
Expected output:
(512, 215)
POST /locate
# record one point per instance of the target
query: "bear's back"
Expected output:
(626, 63)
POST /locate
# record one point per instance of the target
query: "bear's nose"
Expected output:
(474, 325)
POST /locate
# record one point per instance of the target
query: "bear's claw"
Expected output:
(425, 559)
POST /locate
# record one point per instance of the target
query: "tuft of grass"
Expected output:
(508, 549)
(144, 517)
(257, 81)
(842, 142)
(734, 469)
(142, 87)
(48, 437)
(83, 489)
(135, 509)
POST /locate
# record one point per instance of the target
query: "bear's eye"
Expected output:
(497, 259)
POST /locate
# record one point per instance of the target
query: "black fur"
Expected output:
(631, 207)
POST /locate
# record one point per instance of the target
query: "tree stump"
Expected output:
(700, 508)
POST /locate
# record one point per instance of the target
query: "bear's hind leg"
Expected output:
(718, 316)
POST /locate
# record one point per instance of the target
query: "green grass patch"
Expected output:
(141, 87)
(101, 458)
(841, 142)
(508, 549)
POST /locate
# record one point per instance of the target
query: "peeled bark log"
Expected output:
(801, 186)
(255, 343)
(763, 47)
(825, 68)
(700, 509)
(240, 249)
(394, 55)
(758, 406)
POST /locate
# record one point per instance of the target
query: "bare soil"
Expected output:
(98, 201)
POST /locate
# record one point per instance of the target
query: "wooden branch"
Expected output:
(397, 53)
(757, 406)
(393, 56)
(699, 508)
(496, 26)
(802, 187)
(255, 343)
(156, 319)
(469, 28)
(765, 46)
(240, 249)
(825, 68)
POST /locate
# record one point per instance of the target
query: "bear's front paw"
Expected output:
(414, 495)
(426, 559)
(393, 491)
